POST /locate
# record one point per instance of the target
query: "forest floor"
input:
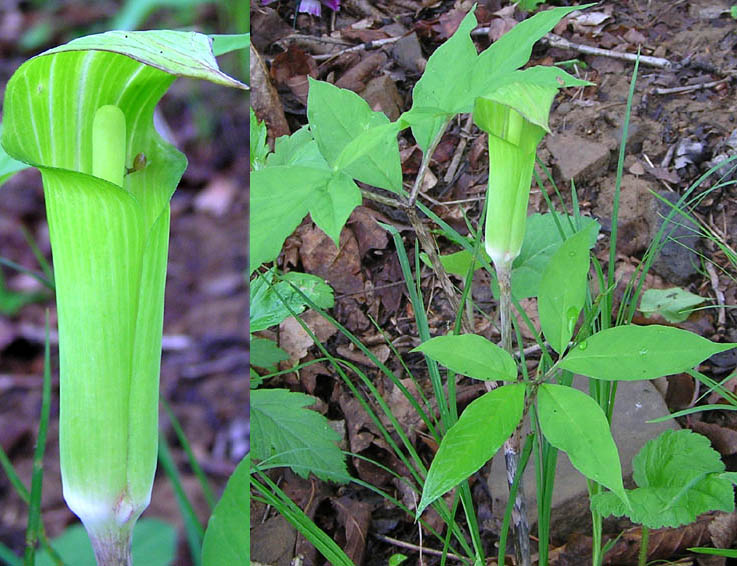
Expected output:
(683, 121)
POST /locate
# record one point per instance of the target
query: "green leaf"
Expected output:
(672, 304)
(366, 143)
(266, 354)
(512, 50)
(445, 83)
(331, 205)
(284, 433)
(471, 355)
(154, 544)
(541, 241)
(179, 53)
(531, 92)
(298, 149)
(258, 146)
(267, 303)
(679, 476)
(337, 117)
(280, 199)
(675, 459)
(635, 352)
(296, 181)
(227, 538)
(225, 43)
(573, 422)
(456, 263)
(563, 289)
(480, 431)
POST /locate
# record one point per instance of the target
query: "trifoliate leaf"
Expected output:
(285, 433)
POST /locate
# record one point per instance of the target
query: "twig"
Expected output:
(691, 88)
(558, 41)
(388, 201)
(410, 546)
(367, 46)
(714, 279)
(450, 173)
(426, 157)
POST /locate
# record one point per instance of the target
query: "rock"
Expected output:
(381, 94)
(578, 158)
(677, 261)
(636, 403)
(636, 212)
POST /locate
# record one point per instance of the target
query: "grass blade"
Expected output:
(34, 511)
(194, 464)
(192, 525)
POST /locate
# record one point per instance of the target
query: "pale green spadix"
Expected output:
(80, 113)
(513, 142)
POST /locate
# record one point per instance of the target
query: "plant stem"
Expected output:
(113, 547)
(642, 558)
(512, 445)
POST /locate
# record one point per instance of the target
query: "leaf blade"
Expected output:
(634, 352)
(471, 355)
(479, 432)
(573, 422)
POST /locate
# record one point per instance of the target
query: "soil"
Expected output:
(204, 361)
(675, 135)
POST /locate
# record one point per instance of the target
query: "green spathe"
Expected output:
(512, 145)
(109, 236)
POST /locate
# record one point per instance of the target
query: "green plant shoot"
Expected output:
(78, 113)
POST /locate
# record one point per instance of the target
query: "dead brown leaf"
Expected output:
(265, 99)
(340, 267)
(294, 340)
(355, 517)
(369, 235)
(724, 440)
(723, 530)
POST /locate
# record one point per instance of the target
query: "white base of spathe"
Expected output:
(503, 259)
(109, 524)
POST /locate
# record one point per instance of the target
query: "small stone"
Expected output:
(635, 219)
(407, 52)
(578, 158)
(677, 261)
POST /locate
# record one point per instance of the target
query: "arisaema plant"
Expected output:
(82, 114)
